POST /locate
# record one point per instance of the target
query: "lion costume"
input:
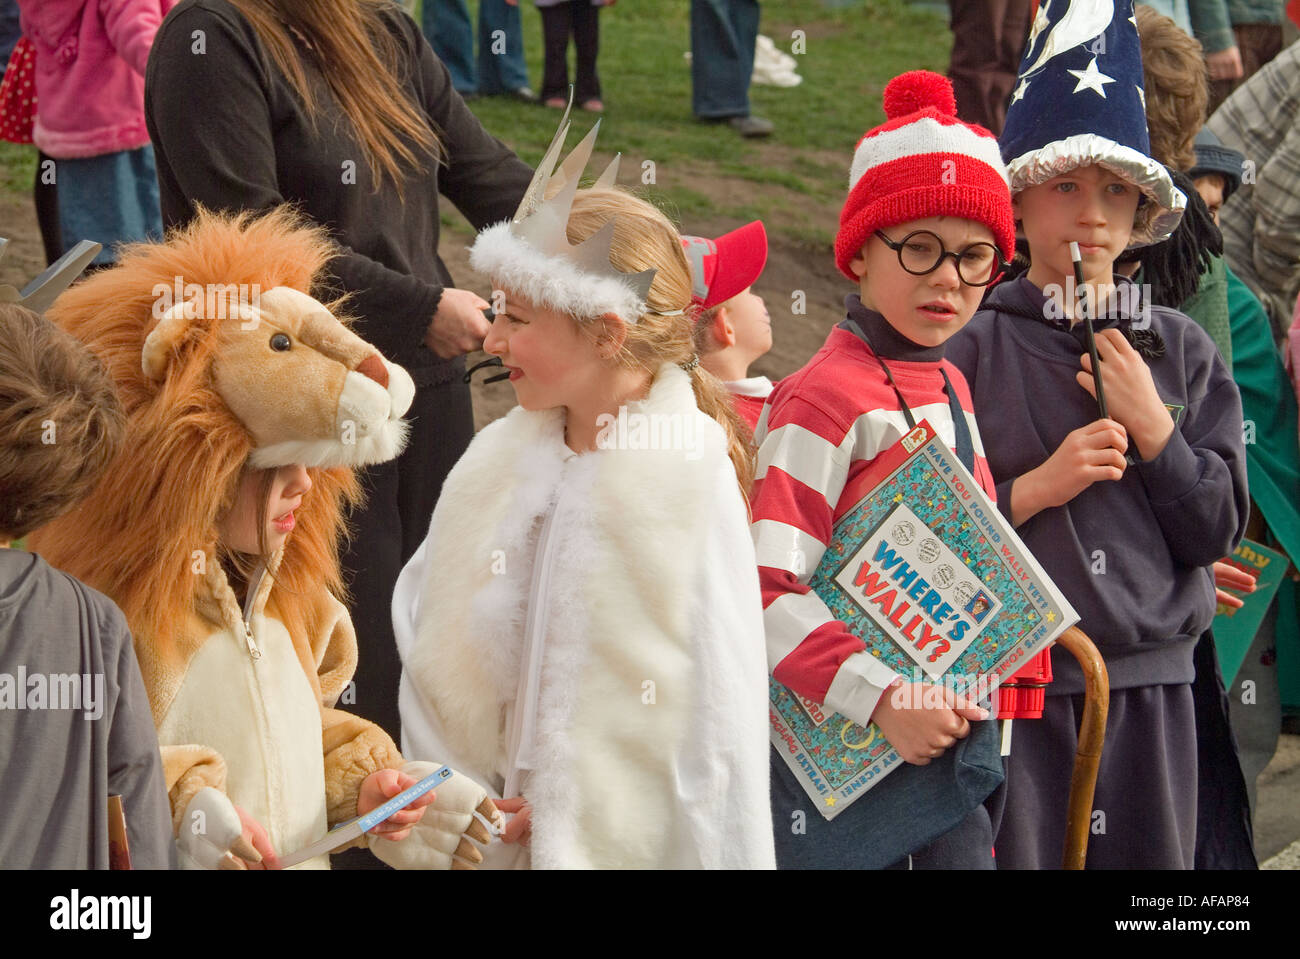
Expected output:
(244, 368)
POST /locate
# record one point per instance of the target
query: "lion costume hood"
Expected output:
(223, 359)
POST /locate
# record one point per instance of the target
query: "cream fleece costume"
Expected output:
(243, 369)
(586, 630)
(259, 694)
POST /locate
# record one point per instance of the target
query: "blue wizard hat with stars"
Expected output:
(1079, 101)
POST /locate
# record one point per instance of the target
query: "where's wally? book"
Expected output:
(926, 571)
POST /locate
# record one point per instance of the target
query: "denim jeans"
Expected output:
(931, 812)
(446, 26)
(723, 34)
(10, 31)
(109, 199)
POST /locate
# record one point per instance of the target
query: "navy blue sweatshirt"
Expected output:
(1131, 555)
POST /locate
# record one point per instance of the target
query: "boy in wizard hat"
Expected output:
(1126, 491)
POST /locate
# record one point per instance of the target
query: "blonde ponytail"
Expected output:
(643, 238)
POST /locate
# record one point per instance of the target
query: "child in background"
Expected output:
(90, 62)
(581, 629)
(733, 328)
(581, 20)
(925, 228)
(60, 426)
(1130, 544)
(1187, 271)
(1216, 171)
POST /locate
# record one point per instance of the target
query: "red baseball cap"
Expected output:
(726, 266)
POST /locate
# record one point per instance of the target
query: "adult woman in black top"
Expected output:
(341, 107)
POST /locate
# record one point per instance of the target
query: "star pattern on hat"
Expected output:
(1091, 79)
(1021, 89)
(1040, 24)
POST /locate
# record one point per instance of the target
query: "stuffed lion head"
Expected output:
(223, 361)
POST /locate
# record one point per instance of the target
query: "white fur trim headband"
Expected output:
(530, 255)
(549, 281)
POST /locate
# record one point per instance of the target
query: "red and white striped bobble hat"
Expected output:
(921, 162)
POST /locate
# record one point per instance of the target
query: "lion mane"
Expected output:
(147, 530)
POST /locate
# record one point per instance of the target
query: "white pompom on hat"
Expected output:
(923, 162)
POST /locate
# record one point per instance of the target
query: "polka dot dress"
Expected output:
(18, 94)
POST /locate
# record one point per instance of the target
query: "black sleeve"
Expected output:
(209, 118)
(483, 177)
(135, 770)
(210, 122)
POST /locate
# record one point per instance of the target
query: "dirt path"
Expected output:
(792, 267)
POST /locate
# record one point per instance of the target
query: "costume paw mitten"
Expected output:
(441, 839)
(210, 830)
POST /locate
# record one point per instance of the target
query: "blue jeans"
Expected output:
(109, 199)
(10, 31)
(723, 34)
(446, 25)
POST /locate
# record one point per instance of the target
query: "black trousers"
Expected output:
(46, 197)
(400, 496)
(581, 20)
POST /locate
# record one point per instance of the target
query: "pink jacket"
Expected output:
(90, 60)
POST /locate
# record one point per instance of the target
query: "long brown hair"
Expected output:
(358, 56)
(644, 237)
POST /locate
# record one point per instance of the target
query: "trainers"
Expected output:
(593, 106)
(751, 126)
(555, 103)
(525, 94)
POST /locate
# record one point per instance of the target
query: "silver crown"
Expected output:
(541, 222)
(42, 291)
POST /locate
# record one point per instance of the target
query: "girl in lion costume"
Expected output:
(217, 531)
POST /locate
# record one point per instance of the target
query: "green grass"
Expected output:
(850, 53)
(17, 167)
(704, 171)
(795, 178)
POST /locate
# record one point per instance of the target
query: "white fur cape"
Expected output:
(651, 727)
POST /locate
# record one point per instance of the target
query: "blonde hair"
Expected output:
(644, 238)
(1176, 88)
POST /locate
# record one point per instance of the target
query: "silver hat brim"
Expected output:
(1155, 221)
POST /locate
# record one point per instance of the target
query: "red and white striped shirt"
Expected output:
(820, 428)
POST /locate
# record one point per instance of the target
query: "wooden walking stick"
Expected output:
(1092, 735)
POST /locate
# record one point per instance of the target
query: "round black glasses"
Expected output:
(922, 252)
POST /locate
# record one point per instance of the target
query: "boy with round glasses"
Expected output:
(925, 228)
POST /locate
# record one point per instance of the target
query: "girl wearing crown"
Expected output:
(581, 631)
